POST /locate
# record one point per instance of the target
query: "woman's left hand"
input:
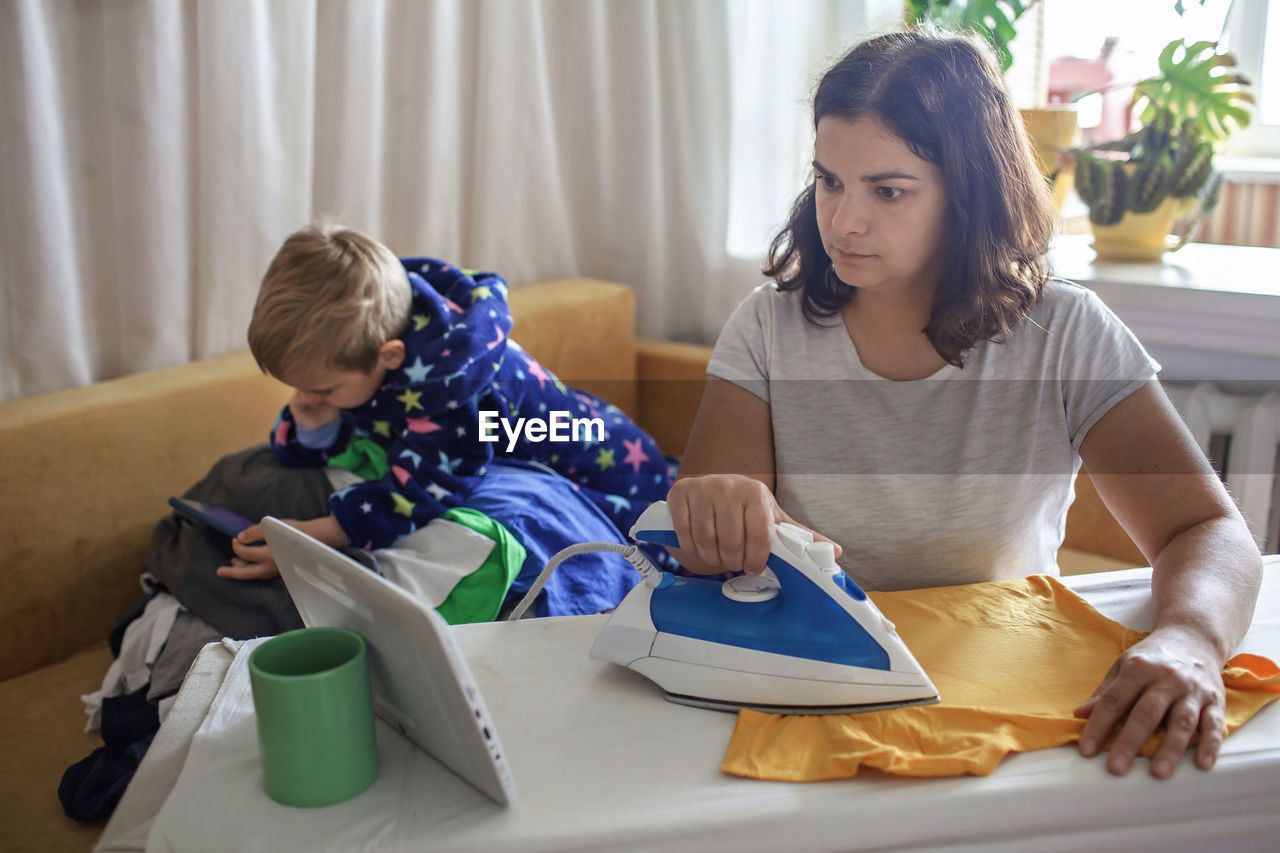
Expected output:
(1171, 677)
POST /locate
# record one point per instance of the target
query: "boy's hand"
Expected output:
(254, 562)
(311, 412)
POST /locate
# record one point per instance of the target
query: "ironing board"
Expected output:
(602, 762)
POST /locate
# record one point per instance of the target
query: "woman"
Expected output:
(913, 387)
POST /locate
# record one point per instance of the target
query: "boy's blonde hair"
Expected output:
(332, 296)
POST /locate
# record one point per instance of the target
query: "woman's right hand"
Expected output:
(724, 523)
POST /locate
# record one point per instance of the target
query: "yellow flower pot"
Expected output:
(1054, 129)
(1142, 236)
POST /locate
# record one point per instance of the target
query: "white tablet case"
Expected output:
(421, 683)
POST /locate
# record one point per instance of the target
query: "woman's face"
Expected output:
(881, 209)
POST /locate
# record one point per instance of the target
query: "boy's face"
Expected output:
(343, 389)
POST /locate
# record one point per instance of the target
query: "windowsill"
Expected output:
(1249, 170)
(1209, 267)
(1207, 312)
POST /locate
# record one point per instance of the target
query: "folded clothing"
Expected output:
(1011, 660)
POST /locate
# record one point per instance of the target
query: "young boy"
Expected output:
(403, 372)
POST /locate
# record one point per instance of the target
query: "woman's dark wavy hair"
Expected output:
(942, 94)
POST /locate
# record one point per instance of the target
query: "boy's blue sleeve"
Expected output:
(287, 441)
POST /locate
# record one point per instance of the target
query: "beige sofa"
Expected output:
(87, 473)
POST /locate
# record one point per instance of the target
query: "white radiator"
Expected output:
(1240, 433)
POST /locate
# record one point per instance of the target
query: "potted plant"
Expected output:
(1148, 192)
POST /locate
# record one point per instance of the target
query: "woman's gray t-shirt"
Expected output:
(961, 477)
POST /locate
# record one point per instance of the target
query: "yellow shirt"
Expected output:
(1010, 659)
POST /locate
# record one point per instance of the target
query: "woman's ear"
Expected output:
(391, 354)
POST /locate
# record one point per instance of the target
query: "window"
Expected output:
(1253, 34)
(1087, 40)
(779, 46)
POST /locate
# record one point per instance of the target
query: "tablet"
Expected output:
(421, 683)
(219, 518)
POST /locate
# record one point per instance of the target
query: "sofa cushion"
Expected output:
(597, 350)
(43, 720)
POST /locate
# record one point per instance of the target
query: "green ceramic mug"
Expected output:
(315, 717)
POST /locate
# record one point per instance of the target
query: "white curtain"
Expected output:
(154, 153)
(777, 51)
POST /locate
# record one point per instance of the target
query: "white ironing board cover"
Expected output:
(604, 763)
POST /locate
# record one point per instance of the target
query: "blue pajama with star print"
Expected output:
(422, 426)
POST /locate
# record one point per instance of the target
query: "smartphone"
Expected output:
(219, 518)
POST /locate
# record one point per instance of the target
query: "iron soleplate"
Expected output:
(793, 710)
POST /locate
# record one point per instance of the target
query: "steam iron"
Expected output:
(801, 638)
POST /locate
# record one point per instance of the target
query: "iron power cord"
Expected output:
(632, 554)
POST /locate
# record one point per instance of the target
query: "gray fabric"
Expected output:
(187, 637)
(184, 555)
(962, 477)
(143, 642)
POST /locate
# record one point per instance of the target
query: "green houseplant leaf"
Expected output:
(1197, 82)
(993, 19)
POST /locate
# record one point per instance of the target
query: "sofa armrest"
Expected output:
(672, 377)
